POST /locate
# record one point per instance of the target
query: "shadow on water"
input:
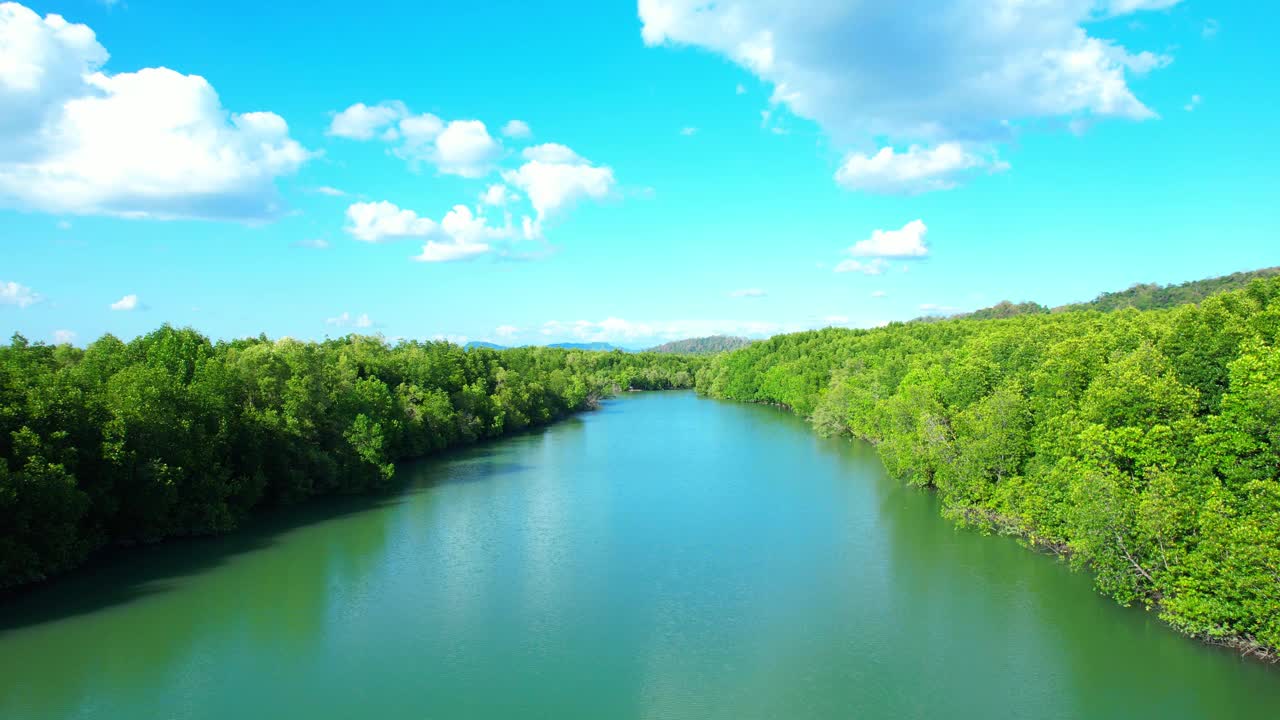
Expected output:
(123, 575)
(127, 574)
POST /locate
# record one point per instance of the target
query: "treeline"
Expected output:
(171, 434)
(1144, 445)
(1149, 296)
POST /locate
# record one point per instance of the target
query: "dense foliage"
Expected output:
(171, 434)
(703, 345)
(1145, 445)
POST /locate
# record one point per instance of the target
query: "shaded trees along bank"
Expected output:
(171, 434)
(1143, 444)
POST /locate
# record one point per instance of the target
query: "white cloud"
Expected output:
(875, 266)
(380, 221)
(879, 294)
(64, 337)
(1192, 104)
(918, 71)
(498, 195)
(460, 235)
(688, 131)
(554, 178)
(419, 133)
(506, 332)
(917, 170)
(126, 303)
(748, 293)
(517, 130)
(11, 293)
(330, 191)
(458, 147)
(347, 320)
(464, 236)
(313, 244)
(455, 339)
(465, 148)
(363, 122)
(552, 153)
(908, 242)
(153, 143)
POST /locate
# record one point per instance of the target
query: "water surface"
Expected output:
(665, 557)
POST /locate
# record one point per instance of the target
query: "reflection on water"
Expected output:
(668, 557)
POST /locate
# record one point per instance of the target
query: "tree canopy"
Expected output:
(172, 434)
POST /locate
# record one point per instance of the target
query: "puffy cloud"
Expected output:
(12, 293)
(380, 221)
(126, 303)
(330, 191)
(907, 242)
(517, 130)
(555, 178)
(497, 195)
(363, 122)
(459, 147)
(464, 236)
(918, 71)
(465, 148)
(347, 320)
(153, 143)
(917, 170)
(748, 293)
(64, 337)
(460, 235)
(506, 332)
(552, 153)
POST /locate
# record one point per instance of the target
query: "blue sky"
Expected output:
(749, 167)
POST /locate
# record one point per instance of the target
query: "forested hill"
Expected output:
(703, 345)
(1143, 296)
(1143, 445)
(1149, 296)
(171, 434)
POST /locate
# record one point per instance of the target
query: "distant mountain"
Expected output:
(482, 344)
(703, 345)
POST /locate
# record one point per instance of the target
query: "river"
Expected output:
(665, 557)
